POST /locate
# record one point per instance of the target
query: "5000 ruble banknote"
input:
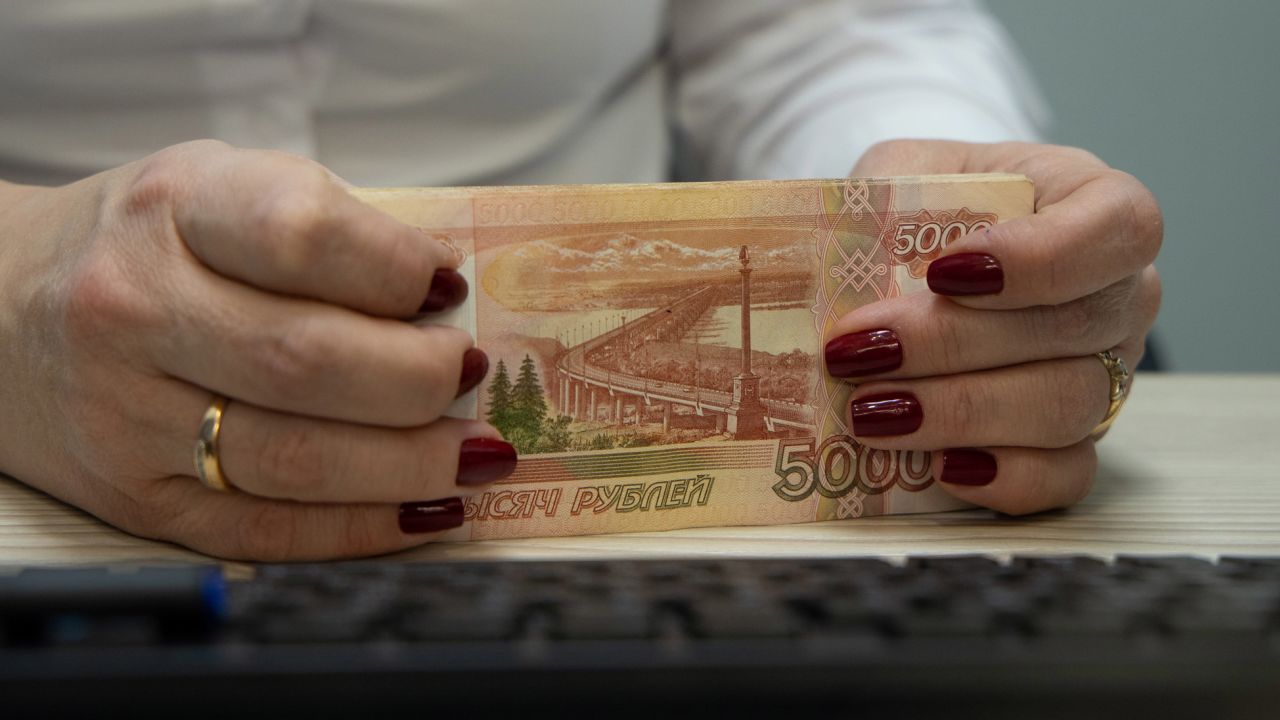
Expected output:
(656, 349)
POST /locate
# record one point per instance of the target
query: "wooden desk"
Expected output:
(1192, 467)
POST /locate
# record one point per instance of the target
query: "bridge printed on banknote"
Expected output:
(658, 349)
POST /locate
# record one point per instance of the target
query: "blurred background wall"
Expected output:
(1184, 94)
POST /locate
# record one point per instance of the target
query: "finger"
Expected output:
(1105, 226)
(289, 457)
(280, 222)
(1018, 480)
(304, 357)
(239, 526)
(922, 335)
(1048, 404)
(915, 157)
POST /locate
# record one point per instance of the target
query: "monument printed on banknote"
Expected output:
(657, 349)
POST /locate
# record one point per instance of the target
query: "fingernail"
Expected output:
(886, 414)
(433, 516)
(448, 288)
(484, 460)
(966, 274)
(967, 466)
(475, 364)
(863, 353)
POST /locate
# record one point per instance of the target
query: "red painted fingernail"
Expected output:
(886, 414)
(484, 460)
(475, 364)
(863, 353)
(967, 466)
(448, 288)
(966, 274)
(433, 516)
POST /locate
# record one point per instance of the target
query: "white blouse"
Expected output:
(445, 92)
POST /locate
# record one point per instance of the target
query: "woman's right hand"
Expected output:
(130, 300)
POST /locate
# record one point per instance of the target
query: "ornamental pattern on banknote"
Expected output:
(857, 271)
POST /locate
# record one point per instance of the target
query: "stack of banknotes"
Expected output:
(656, 350)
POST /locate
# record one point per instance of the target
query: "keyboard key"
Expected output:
(958, 622)
(1061, 565)
(337, 624)
(956, 564)
(1181, 565)
(939, 597)
(1088, 623)
(727, 619)
(444, 623)
(593, 621)
(869, 613)
(1245, 566)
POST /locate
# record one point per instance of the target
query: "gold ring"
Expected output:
(1119, 391)
(208, 467)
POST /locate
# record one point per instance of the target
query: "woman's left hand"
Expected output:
(996, 370)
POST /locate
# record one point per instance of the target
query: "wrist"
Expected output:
(13, 198)
(12, 195)
(26, 218)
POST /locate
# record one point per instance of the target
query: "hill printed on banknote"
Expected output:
(657, 349)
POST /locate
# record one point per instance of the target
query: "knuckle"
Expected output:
(202, 146)
(292, 358)
(154, 512)
(1039, 324)
(1150, 295)
(145, 514)
(1079, 155)
(429, 458)
(886, 150)
(942, 348)
(1050, 278)
(410, 269)
(157, 185)
(1097, 321)
(292, 461)
(889, 157)
(295, 226)
(1142, 213)
(1081, 404)
(359, 536)
(439, 372)
(1002, 234)
(163, 178)
(100, 301)
(1034, 159)
(967, 405)
(265, 531)
(1074, 324)
(141, 518)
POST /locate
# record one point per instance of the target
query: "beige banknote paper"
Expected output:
(656, 350)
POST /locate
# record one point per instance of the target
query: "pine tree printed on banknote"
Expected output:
(656, 349)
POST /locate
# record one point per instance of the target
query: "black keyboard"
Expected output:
(1054, 636)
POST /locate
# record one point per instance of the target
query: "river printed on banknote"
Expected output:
(656, 349)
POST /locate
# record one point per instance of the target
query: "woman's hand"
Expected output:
(995, 371)
(128, 301)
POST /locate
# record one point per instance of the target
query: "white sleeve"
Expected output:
(801, 88)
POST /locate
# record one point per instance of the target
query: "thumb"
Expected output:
(913, 157)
